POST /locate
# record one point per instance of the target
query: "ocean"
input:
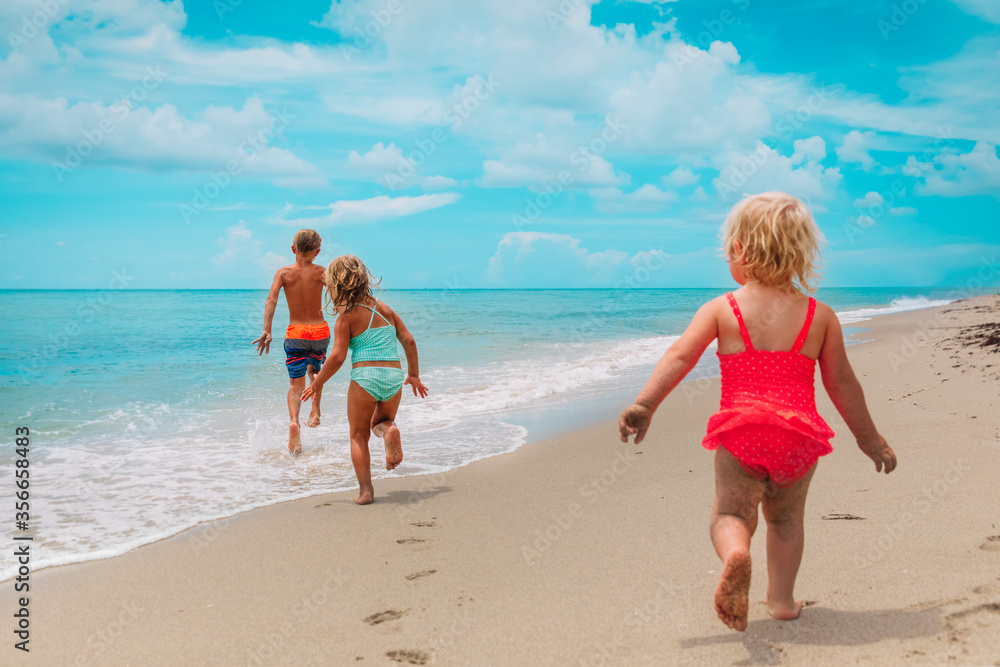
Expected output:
(151, 412)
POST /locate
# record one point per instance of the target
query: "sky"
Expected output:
(491, 144)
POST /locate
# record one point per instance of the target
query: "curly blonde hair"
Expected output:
(348, 283)
(780, 241)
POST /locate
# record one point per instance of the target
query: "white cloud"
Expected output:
(645, 199)
(988, 10)
(802, 174)
(870, 199)
(239, 247)
(90, 134)
(349, 211)
(855, 148)
(680, 177)
(530, 259)
(974, 173)
(550, 161)
(389, 168)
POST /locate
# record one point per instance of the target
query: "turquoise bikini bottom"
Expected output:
(380, 382)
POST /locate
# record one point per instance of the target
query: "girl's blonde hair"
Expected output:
(779, 238)
(348, 283)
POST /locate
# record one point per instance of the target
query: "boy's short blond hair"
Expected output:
(348, 283)
(780, 240)
(306, 240)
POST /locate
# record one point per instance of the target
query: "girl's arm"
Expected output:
(412, 363)
(845, 391)
(676, 363)
(334, 360)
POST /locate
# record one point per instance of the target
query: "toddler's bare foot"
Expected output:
(393, 447)
(732, 595)
(313, 421)
(294, 439)
(783, 611)
(365, 497)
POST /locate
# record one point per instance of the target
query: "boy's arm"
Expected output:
(334, 360)
(405, 339)
(676, 363)
(848, 397)
(264, 342)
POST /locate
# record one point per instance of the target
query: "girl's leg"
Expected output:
(784, 512)
(384, 426)
(734, 520)
(360, 407)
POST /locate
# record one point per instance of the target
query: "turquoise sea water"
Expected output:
(151, 412)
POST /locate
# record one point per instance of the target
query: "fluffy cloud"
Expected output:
(802, 174)
(349, 211)
(91, 134)
(646, 199)
(680, 177)
(987, 10)
(389, 168)
(855, 148)
(870, 199)
(544, 161)
(974, 173)
(239, 247)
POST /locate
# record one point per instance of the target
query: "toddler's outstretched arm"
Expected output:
(676, 363)
(845, 391)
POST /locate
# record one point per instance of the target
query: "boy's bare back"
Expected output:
(303, 286)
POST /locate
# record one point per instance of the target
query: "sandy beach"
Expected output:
(581, 550)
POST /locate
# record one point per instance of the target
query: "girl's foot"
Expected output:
(294, 439)
(393, 447)
(784, 612)
(313, 421)
(365, 497)
(732, 595)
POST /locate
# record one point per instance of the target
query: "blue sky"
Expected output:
(501, 143)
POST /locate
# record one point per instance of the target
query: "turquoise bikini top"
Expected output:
(378, 344)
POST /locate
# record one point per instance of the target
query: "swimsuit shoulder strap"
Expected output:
(739, 318)
(801, 340)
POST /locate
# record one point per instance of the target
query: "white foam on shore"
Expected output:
(899, 305)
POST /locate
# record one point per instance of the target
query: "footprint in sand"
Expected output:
(409, 656)
(992, 543)
(383, 616)
(420, 575)
(425, 524)
(409, 540)
(837, 516)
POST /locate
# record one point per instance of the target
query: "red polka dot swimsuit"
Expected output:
(767, 418)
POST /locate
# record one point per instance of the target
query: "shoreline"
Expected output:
(585, 550)
(541, 423)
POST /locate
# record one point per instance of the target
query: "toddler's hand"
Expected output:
(417, 385)
(879, 451)
(634, 420)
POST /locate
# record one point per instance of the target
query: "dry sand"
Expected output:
(581, 550)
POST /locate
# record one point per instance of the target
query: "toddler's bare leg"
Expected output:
(360, 407)
(384, 426)
(734, 520)
(784, 512)
(298, 385)
(314, 414)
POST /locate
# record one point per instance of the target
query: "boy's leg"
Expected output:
(360, 407)
(297, 386)
(384, 426)
(784, 512)
(734, 520)
(314, 414)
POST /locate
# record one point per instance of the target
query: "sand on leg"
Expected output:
(784, 511)
(384, 426)
(734, 520)
(360, 408)
(297, 386)
(314, 413)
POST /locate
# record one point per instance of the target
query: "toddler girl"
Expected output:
(767, 433)
(376, 376)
